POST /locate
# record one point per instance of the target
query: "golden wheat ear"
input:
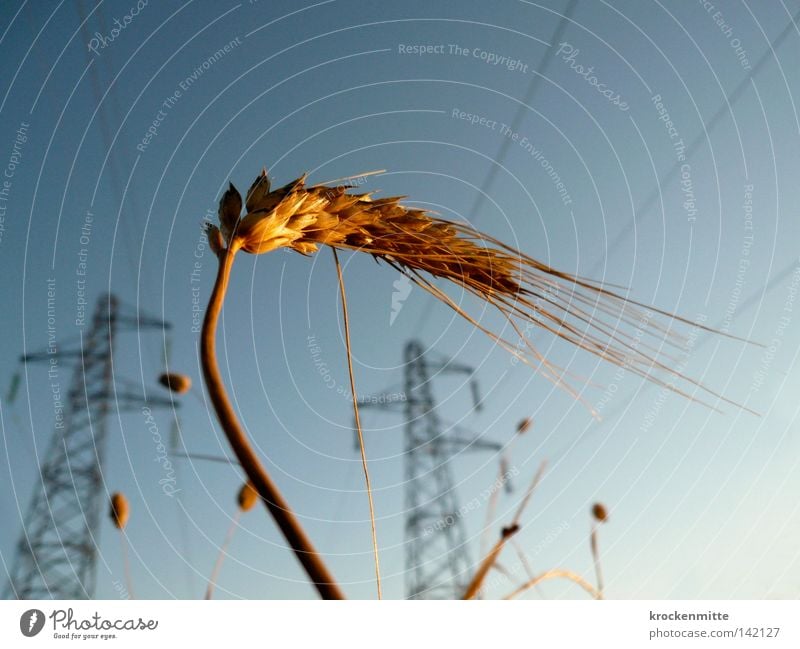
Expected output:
(625, 333)
(525, 291)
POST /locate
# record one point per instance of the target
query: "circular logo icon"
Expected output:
(31, 622)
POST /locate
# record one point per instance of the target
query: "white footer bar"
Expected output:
(390, 624)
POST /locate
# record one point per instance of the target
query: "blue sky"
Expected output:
(702, 504)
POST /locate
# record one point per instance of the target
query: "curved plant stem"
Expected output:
(491, 508)
(127, 564)
(475, 585)
(501, 482)
(522, 558)
(556, 574)
(268, 491)
(358, 424)
(223, 550)
(596, 556)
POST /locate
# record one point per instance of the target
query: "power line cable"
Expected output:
(506, 142)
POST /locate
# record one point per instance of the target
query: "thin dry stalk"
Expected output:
(503, 570)
(223, 551)
(246, 499)
(556, 573)
(596, 558)
(361, 444)
(268, 491)
(491, 510)
(502, 469)
(529, 493)
(522, 558)
(126, 562)
(479, 577)
(474, 586)
(207, 458)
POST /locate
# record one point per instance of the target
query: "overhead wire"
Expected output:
(505, 144)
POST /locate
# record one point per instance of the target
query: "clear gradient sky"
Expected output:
(143, 127)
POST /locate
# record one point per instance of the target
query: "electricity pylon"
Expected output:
(437, 560)
(57, 551)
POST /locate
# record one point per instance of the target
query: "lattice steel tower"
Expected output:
(56, 553)
(437, 561)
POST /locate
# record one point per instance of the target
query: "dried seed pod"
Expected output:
(119, 510)
(179, 383)
(247, 497)
(258, 193)
(599, 512)
(230, 208)
(524, 425)
(215, 240)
